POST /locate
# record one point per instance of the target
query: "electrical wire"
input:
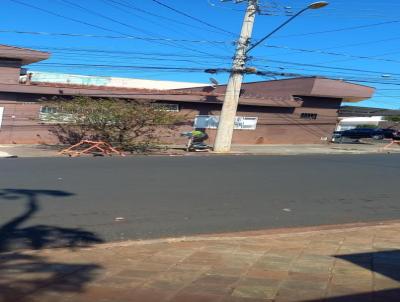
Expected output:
(193, 18)
(123, 6)
(133, 7)
(94, 25)
(338, 29)
(330, 67)
(115, 37)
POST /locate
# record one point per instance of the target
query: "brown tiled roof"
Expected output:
(25, 55)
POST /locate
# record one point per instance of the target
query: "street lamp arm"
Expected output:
(276, 29)
(315, 5)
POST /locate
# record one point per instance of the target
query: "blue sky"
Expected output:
(350, 39)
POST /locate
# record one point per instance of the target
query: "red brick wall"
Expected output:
(20, 124)
(9, 71)
(276, 125)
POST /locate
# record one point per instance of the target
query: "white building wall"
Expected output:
(75, 79)
(347, 123)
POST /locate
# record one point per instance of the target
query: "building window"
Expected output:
(308, 116)
(212, 121)
(166, 107)
(48, 109)
(49, 114)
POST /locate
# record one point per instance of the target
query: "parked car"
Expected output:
(359, 133)
(391, 133)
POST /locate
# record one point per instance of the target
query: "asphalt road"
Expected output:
(173, 196)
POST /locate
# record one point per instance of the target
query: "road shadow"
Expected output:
(389, 295)
(14, 236)
(25, 275)
(385, 263)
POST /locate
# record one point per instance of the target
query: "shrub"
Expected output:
(130, 125)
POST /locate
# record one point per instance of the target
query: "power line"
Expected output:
(112, 37)
(188, 69)
(133, 7)
(338, 29)
(66, 17)
(332, 53)
(329, 67)
(207, 41)
(117, 4)
(373, 57)
(96, 26)
(90, 11)
(122, 52)
(124, 24)
(321, 51)
(193, 18)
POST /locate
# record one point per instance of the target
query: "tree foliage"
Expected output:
(131, 125)
(393, 118)
(363, 126)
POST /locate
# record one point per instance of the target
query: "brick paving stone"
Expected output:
(214, 289)
(256, 288)
(269, 257)
(195, 297)
(238, 261)
(383, 283)
(151, 266)
(285, 252)
(201, 257)
(342, 294)
(244, 299)
(187, 267)
(308, 276)
(253, 248)
(357, 264)
(322, 250)
(309, 285)
(45, 298)
(118, 282)
(310, 267)
(102, 294)
(227, 270)
(217, 279)
(166, 259)
(173, 280)
(143, 294)
(224, 247)
(363, 280)
(294, 295)
(323, 259)
(266, 274)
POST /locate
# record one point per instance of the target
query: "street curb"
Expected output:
(233, 236)
(269, 233)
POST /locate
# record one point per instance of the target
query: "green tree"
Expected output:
(393, 118)
(367, 126)
(130, 125)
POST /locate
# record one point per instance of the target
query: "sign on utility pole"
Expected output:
(226, 122)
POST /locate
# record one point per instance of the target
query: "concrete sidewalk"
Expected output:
(339, 263)
(29, 150)
(348, 148)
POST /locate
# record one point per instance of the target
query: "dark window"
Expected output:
(308, 116)
(47, 109)
(166, 107)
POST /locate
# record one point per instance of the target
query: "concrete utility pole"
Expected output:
(229, 108)
(226, 122)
